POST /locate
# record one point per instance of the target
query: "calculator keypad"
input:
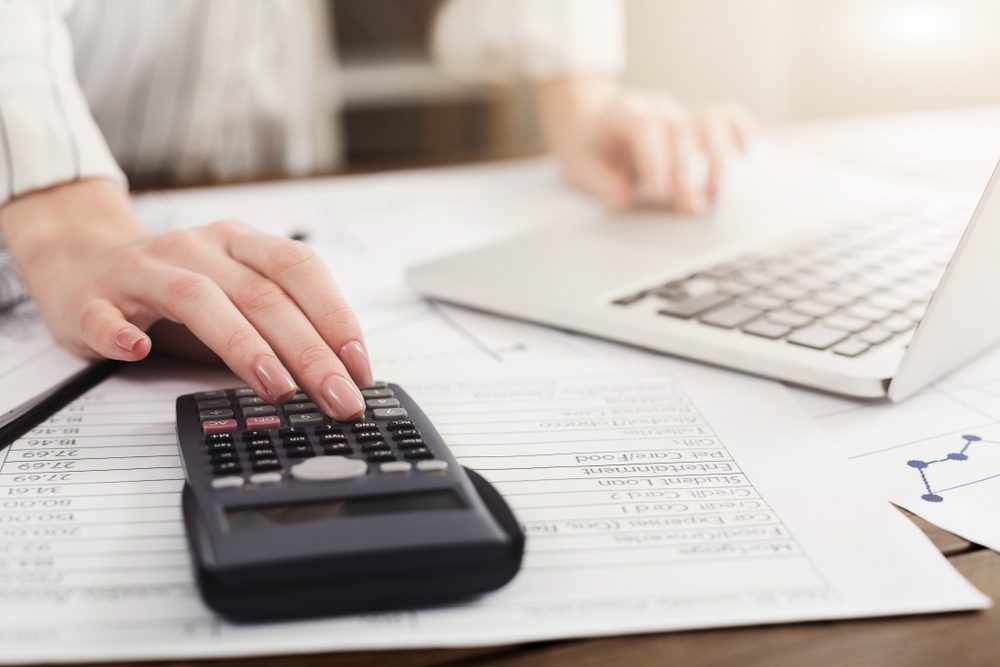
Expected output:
(247, 439)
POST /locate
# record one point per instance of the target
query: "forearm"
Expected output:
(563, 102)
(48, 231)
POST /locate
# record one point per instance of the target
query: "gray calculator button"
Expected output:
(202, 395)
(228, 482)
(244, 391)
(373, 403)
(432, 466)
(396, 466)
(326, 468)
(266, 478)
(259, 411)
(215, 414)
(296, 408)
(213, 403)
(376, 385)
(382, 414)
(307, 419)
(377, 392)
(252, 400)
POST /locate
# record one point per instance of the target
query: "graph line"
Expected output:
(922, 466)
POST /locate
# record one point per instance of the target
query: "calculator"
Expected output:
(290, 514)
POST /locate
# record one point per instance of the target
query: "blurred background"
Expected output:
(786, 60)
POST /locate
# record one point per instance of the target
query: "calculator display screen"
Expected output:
(249, 518)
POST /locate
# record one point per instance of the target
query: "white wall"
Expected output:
(789, 59)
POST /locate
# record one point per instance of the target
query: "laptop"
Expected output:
(810, 273)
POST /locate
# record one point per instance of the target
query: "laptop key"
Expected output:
(811, 308)
(692, 306)
(731, 316)
(851, 347)
(763, 301)
(875, 335)
(789, 318)
(766, 329)
(835, 299)
(846, 323)
(817, 336)
(898, 324)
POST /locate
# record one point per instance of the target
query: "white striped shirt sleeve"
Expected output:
(497, 41)
(47, 133)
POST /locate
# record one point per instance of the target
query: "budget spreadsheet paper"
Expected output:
(656, 495)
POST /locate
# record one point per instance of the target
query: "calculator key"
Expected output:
(296, 408)
(327, 468)
(254, 435)
(218, 437)
(219, 446)
(307, 419)
(368, 436)
(215, 414)
(399, 424)
(202, 395)
(299, 452)
(249, 401)
(243, 391)
(298, 397)
(226, 468)
(330, 438)
(404, 433)
(266, 478)
(396, 467)
(381, 455)
(295, 430)
(213, 404)
(377, 392)
(338, 449)
(218, 426)
(389, 413)
(230, 482)
(297, 439)
(410, 443)
(374, 403)
(266, 464)
(262, 452)
(380, 446)
(327, 428)
(418, 453)
(257, 443)
(435, 466)
(259, 410)
(223, 456)
(357, 427)
(263, 422)
(376, 385)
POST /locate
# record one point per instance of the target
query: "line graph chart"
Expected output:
(922, 467)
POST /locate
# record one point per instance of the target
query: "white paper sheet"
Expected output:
(937, 454)
(656, 497)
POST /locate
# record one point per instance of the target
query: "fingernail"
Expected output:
(274, 377)
(127, 339)
(356, 360)
(344, 398)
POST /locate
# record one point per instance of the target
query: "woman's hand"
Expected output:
(264, 304)
(632, 148)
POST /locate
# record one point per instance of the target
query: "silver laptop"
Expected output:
(871, 299)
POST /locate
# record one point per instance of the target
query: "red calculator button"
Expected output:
(254, 423)
(218, 425)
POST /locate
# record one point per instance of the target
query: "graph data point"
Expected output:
(914, 463)
(972, 438)
(958, 456)
(932, 497)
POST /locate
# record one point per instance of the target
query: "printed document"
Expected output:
(656, 496)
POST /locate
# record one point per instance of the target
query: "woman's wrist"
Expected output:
(565, 102)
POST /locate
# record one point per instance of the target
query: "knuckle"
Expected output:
(292, 255)
(338, 318)
(187, 287)
(313, 355)
(240, 339)
(181, 242)
(229, 226)
(261, 296)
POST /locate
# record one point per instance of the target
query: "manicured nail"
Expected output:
(127, 339)
(343, 397)
(356, 361)
(274, 377)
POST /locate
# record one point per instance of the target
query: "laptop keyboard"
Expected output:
(845, 292)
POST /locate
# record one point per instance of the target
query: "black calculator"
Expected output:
(290, 514)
